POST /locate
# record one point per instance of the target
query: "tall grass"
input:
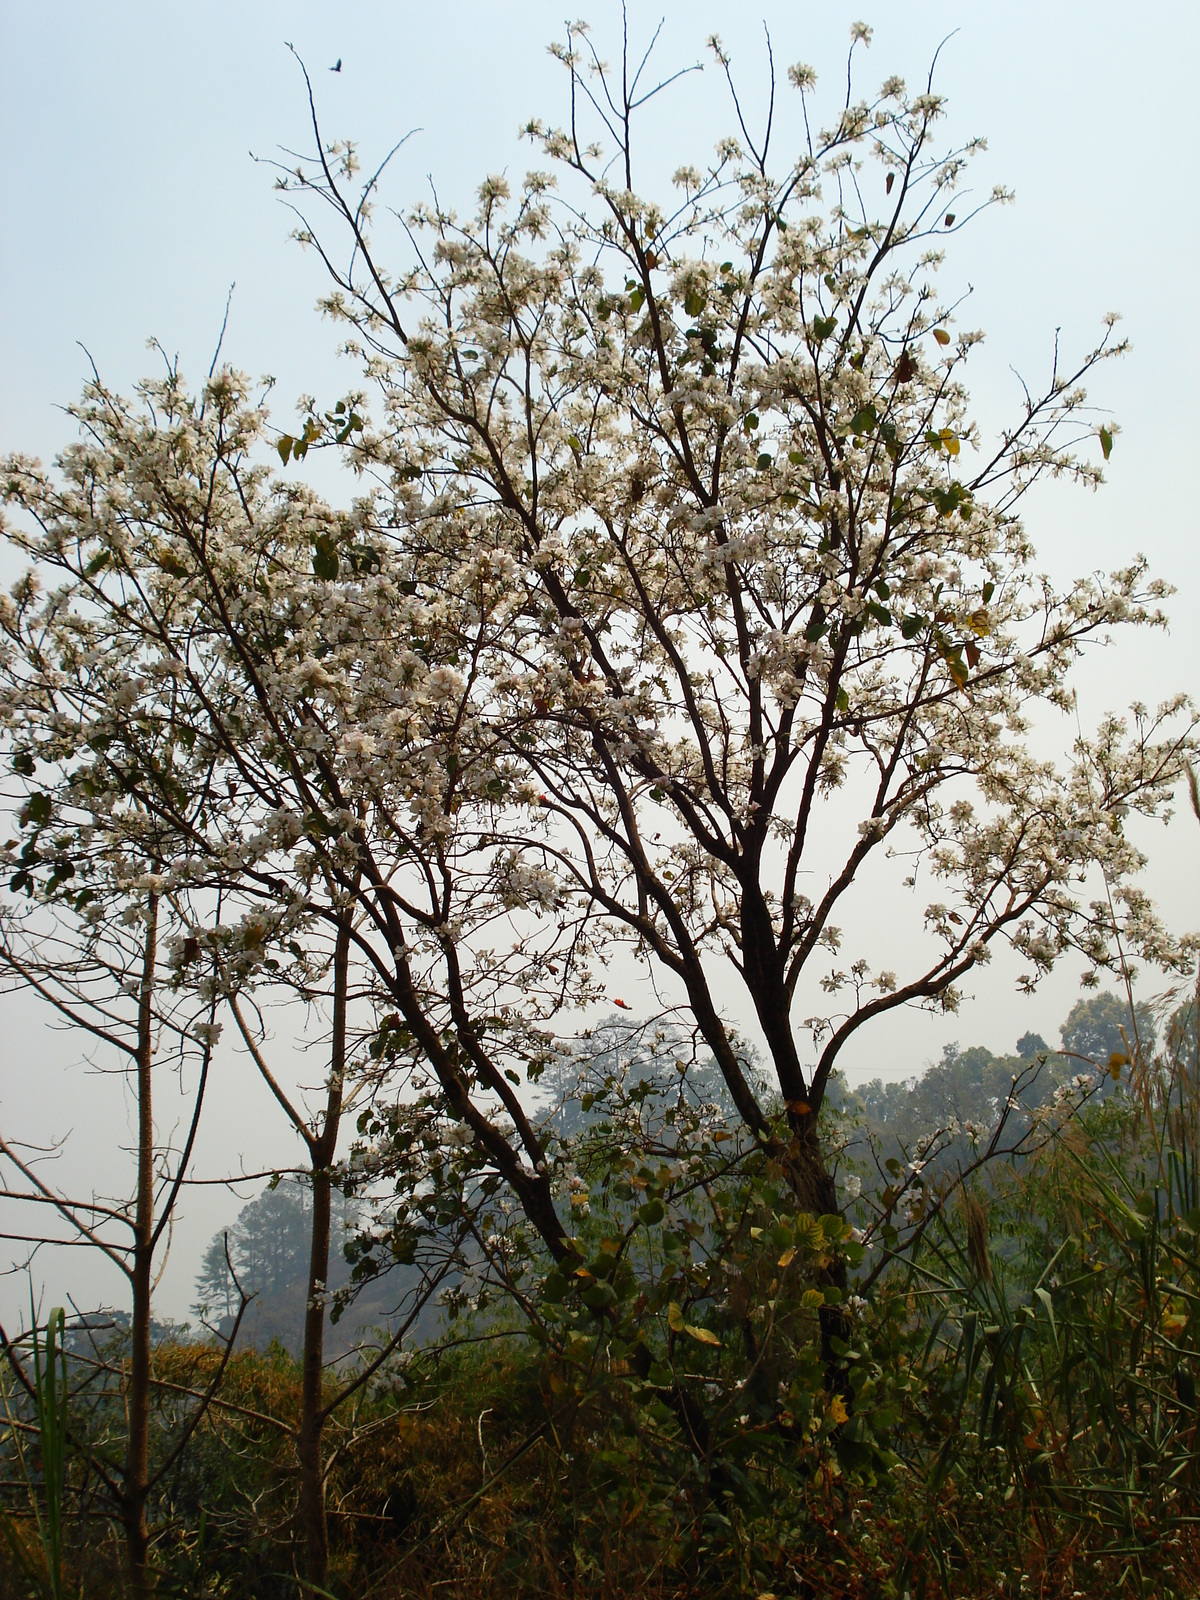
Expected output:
(1061, 1353)
(45, 1476)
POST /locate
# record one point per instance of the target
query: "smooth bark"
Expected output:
(136, 1476)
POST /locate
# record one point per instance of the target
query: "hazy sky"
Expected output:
(131, 201)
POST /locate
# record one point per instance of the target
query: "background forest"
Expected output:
(652, 609)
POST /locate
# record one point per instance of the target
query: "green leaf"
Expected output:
(1106, 442)
(694, 302)
(22, 762)
(842, 700)
(599, 1296)
(864, 420)
(38, 808)
(325, 558)
(554, 1288)
(653, 1211)
(764, 461)
(822, 327)
(750, 422)
(637, 299)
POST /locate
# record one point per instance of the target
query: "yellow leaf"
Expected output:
(950, 439)
(810, 1232)
(837, 1410)
(941, 336)
(1116, 1061)
(788, 1257)
(979, 622)
(674, 1317)
(701, 1335)
(811, 1299)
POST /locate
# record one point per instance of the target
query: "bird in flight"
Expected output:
(338, 66)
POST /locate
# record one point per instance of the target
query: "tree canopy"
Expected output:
(683, 592)
(680, 600)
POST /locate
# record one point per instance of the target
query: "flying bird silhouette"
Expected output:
(338, 66)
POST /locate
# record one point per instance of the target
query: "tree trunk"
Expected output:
(135, 1478)
(816, 1192)
(312, 1419)
(310, 1435)
(810, 1178)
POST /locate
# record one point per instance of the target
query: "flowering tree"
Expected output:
(84, 925)
(763, 577)
(215, 681)
(673, 576)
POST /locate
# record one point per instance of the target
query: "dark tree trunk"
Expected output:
(815, 1191)
(135, 1478)
(310, 1435)
(309, 1439)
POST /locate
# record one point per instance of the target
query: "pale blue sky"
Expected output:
(130, 202)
